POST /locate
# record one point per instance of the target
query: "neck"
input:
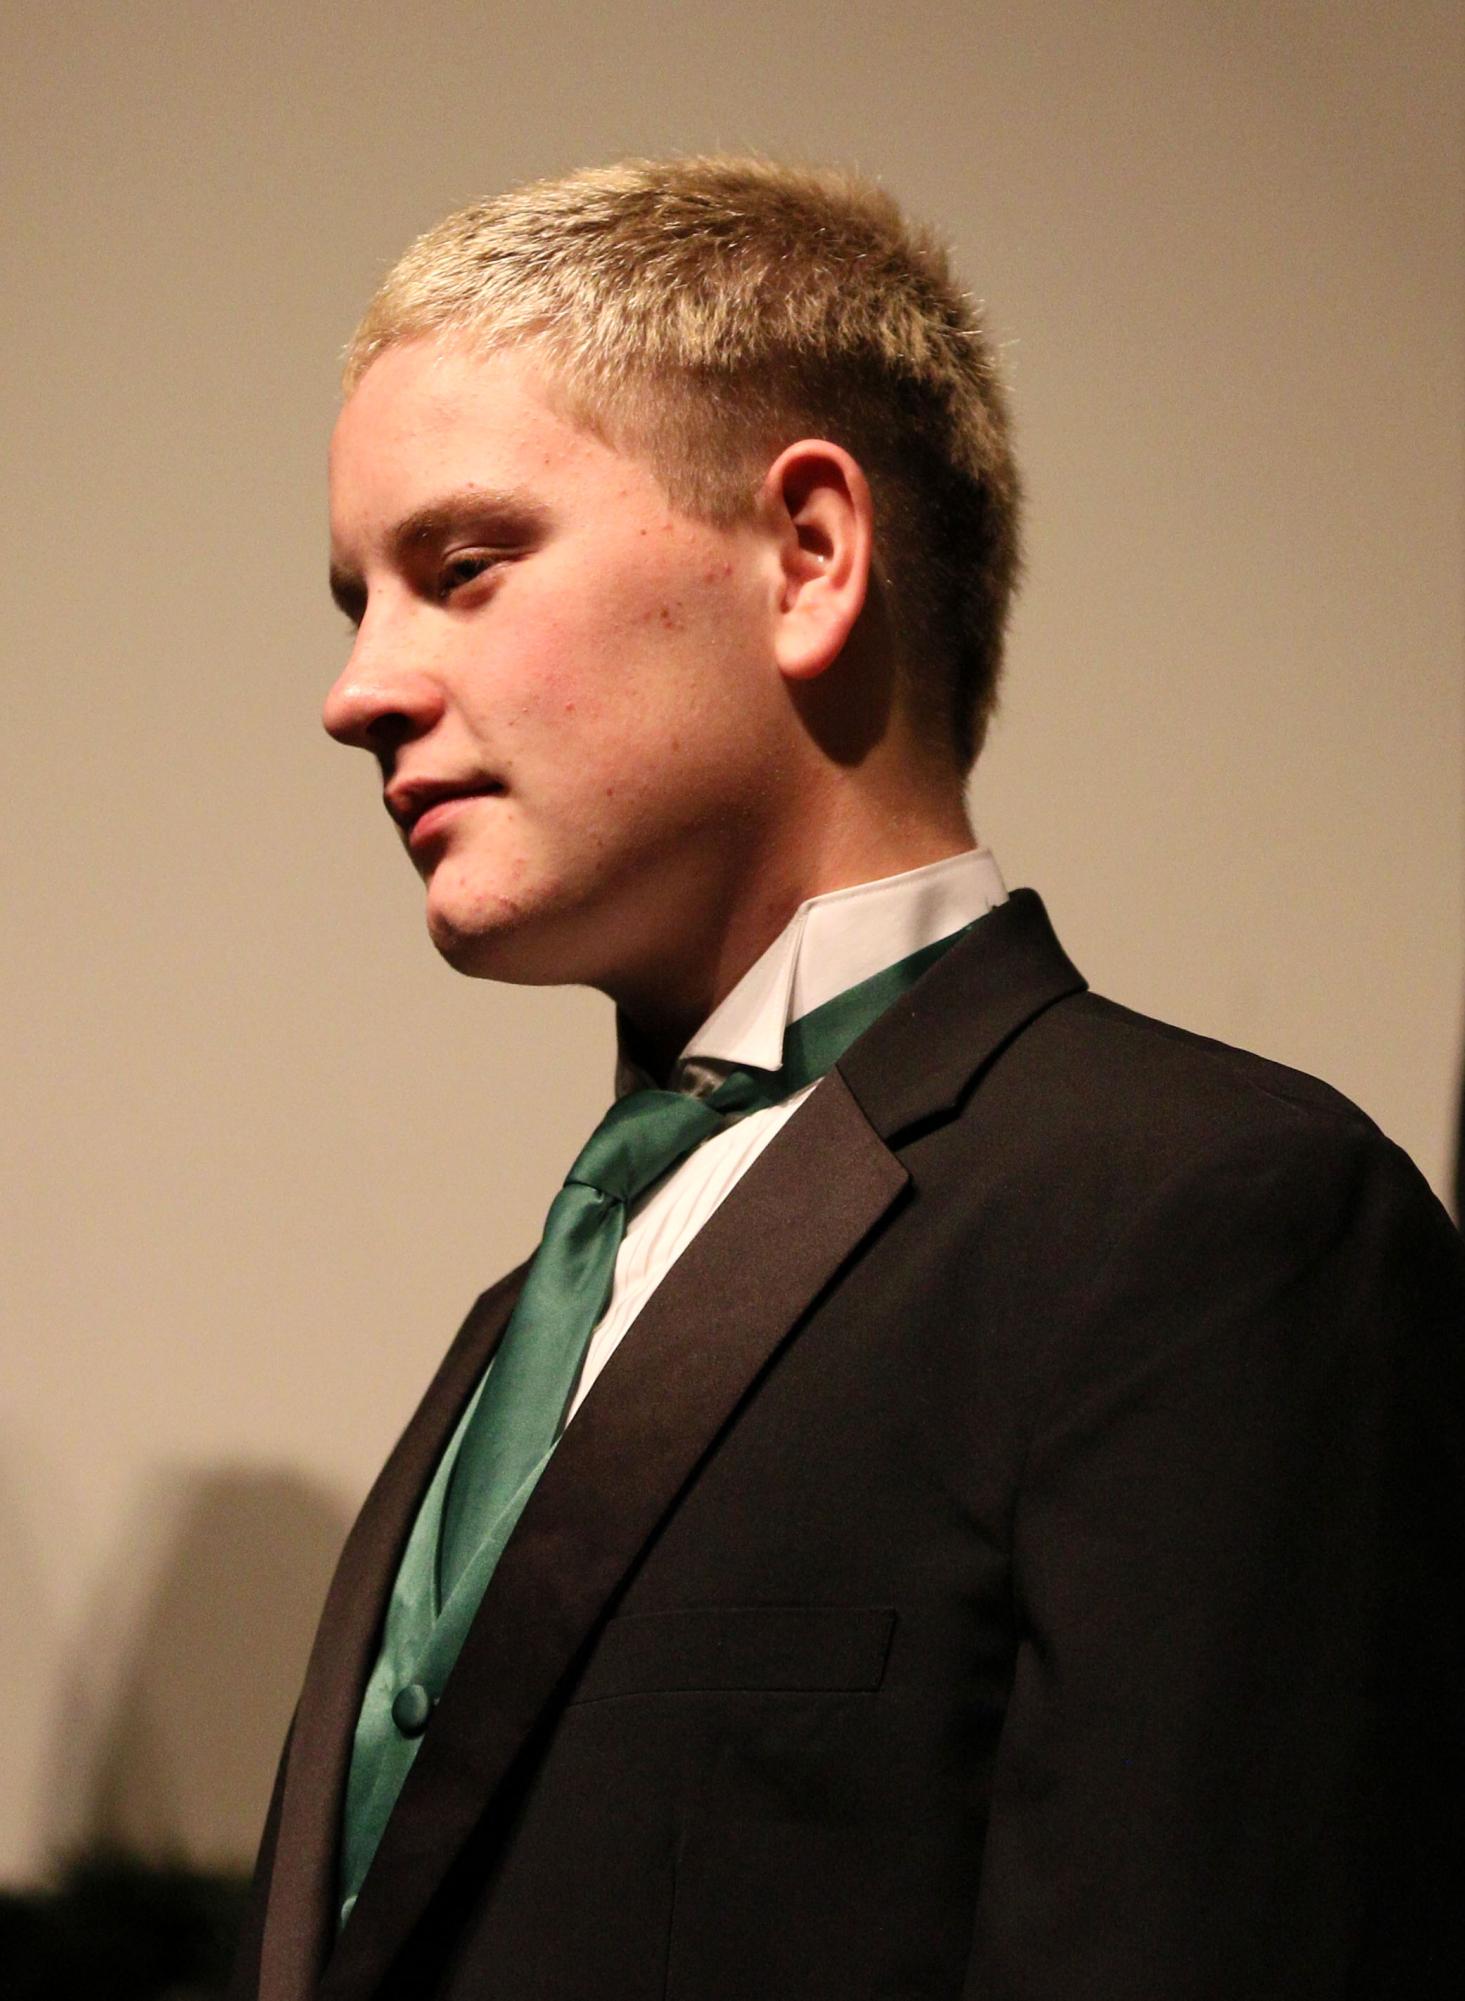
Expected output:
(661, 1013)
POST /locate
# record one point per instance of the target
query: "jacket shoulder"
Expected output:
(1097, 1116)
(1160, 1093)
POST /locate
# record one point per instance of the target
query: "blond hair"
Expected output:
(706, 311)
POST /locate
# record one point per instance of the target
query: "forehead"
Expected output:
(430, 417)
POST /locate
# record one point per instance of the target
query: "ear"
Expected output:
(817, 501)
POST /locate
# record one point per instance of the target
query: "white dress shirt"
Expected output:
(830, 943)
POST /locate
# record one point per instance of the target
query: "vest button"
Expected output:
(411, 1707)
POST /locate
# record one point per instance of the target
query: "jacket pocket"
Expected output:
(707, 1648)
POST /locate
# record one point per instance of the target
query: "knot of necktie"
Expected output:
(642, 1136)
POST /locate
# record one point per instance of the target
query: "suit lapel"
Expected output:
(656, 1409)
(925, 1053)
(301, 1907)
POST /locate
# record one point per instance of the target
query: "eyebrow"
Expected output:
(508, 515)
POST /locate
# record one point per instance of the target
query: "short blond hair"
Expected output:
(706, 311)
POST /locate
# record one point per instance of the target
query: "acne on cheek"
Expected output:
(672, 616)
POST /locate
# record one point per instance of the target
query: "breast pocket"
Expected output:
(806, 1649)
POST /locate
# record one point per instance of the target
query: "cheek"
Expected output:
(638, 664)
(537, 676)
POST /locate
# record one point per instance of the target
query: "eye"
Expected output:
(464, 567)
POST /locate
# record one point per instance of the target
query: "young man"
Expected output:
(967, 1499)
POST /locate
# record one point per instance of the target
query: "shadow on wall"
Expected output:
(175, 1759)
(28, 1646)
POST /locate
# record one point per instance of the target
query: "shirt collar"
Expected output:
(830, 943)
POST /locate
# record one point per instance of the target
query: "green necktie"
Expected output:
(517, 1421)
(521, 1411)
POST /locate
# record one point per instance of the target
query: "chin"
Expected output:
(514, 948)
(478, 953)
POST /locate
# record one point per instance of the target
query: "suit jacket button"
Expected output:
(411, 1707)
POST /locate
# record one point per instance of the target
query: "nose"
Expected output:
(379, 699)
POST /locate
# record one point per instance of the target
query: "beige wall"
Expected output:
(266, 1149)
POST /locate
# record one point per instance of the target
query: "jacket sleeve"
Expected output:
(1233, 1761)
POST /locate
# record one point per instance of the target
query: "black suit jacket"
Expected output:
(1015, 1556)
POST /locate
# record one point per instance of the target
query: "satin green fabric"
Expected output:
(538, 1362)
(505, 1437)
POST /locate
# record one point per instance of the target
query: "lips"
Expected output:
(423, 806)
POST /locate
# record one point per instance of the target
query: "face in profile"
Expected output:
(565, 681)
